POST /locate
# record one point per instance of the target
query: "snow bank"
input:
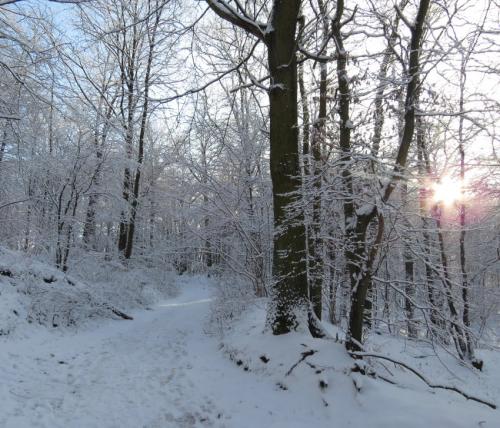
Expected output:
(324, 386)
(34, 293)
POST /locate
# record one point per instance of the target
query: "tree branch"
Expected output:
(228, 13)
(423, 378)
(6, 2)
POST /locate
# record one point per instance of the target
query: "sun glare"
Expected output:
(447, 191)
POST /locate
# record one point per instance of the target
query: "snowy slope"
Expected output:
(34, 294)
(163, 370)
(321, 389)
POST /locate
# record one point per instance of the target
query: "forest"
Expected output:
(242, 213)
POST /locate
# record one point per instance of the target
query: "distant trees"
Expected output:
(133, 35)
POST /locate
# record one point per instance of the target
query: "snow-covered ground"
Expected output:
(165, 369)
(33, 293)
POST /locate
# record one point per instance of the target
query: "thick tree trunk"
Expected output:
(290, 299)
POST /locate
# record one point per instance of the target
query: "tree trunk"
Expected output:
(289, 307)
(458, 333)
(358, 258)
(142, 135)
(410, 293)
(3, 144)
(89, 228)
(290, 290)
(305, 109)
(128, 79)
(461, 149)
(424, 171)
(316, 242)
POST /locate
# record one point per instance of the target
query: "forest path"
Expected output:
(162, 370)
(159, 370)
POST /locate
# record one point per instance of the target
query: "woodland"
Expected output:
(322, 175)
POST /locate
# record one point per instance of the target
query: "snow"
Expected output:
(33, 293)
(323, 391)
(124, 373)
(349, 124)
(365, 209)
(167, 368)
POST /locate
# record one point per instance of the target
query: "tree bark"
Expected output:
(289, 270)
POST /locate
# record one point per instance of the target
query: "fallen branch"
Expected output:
(119, 313)
(304, 356)
(423, 378)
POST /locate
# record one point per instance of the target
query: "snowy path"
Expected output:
(162, 370)
(159, 370)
